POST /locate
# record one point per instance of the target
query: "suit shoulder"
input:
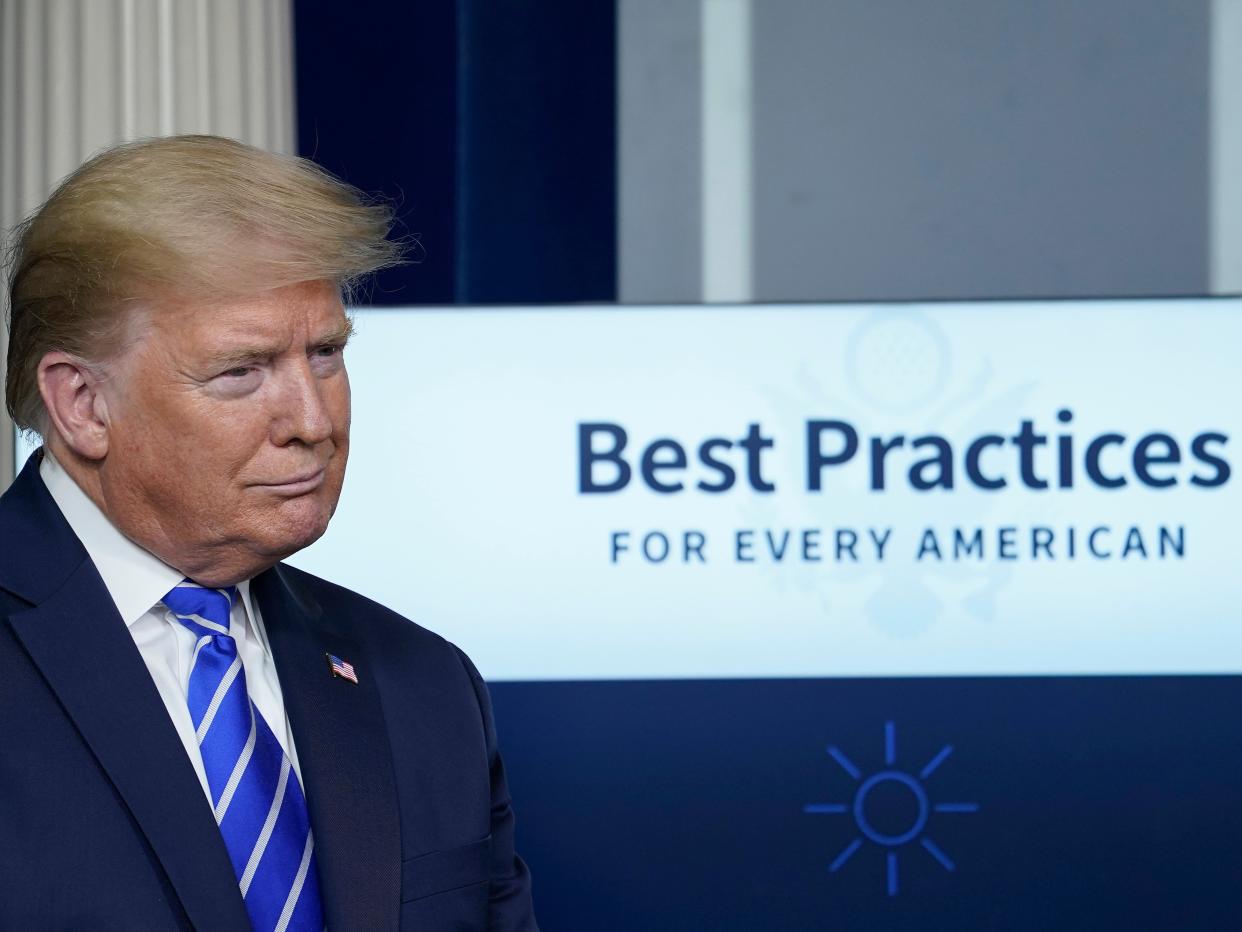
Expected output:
(364, 617)
(402, 649)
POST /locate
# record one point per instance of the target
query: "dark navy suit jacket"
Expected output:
(103, 822)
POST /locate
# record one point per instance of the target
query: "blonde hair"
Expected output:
(185, 217)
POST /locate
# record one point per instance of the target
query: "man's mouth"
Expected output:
(298, 484)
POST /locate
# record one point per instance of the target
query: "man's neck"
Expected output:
(84, 472)
(87, 475)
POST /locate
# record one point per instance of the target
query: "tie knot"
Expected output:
(204, 611)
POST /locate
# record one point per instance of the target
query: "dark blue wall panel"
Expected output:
(377, 105)
(490, 124)
(538, 151)
(1101, 803)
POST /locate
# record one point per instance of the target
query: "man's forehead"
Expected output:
(303, 311)
(275, 329)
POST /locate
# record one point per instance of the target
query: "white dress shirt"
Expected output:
(137, 582)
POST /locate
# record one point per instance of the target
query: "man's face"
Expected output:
(229, 430)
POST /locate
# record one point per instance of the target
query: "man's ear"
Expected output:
(75, 407)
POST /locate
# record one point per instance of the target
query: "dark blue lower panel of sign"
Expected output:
(879, 804)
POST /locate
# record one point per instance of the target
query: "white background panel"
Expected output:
(462, 511)
(461, 508)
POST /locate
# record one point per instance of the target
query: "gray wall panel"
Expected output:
(659, 213)
(970, 148)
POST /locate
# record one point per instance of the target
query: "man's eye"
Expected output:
(239, 373)
(328, 351)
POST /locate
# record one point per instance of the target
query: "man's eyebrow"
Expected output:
(226, 359)
(340, 334)
(231, 358)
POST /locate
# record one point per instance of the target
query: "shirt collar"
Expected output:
(135, 578)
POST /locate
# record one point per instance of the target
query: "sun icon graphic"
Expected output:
(890, 789)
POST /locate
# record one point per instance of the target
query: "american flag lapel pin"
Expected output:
(342, 669)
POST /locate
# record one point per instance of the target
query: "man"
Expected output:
(193, 734)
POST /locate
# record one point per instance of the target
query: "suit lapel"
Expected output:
(81, 646)
(343, 752)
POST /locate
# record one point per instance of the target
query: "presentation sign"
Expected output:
(810, 491)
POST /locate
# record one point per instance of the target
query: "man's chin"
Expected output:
(288, 534)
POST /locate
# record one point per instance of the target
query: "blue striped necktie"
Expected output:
(258, 801)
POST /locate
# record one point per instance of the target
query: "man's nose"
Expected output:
(302, 414)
